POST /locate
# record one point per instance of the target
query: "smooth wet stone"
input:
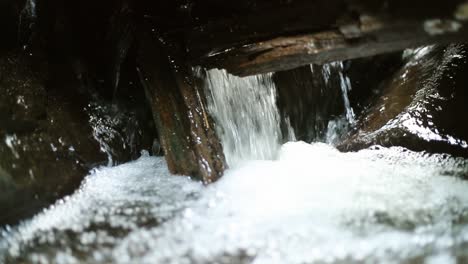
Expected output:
(421, 107)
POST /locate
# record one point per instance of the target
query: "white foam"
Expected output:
(313, 204)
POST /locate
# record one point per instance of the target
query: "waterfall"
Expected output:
(27, 20)
(345, 85)
(340, 125)
(246, 115)
(328, 70)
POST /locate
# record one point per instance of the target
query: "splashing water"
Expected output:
(345, 85)
(379, 205)
(299, 203)
(246, 115)
(328, 70)
(27, 19)
(114, 129)
(339, 125)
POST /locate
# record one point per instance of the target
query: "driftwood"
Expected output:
(186, 132)
(359, 29)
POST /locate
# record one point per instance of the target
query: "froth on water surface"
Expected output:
(311, 205)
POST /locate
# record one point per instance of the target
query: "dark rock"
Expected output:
(9, 21)
(309, 98)
(46, 145)
(366, 74)
(121, 38)
(185, 129)
(421, 107)
(52, 134)
(123, 131)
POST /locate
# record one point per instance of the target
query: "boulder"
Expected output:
(308, 98)
(52, 134)
(421, 106)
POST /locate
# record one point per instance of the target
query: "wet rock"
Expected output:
(21, 108)
(284, 53)
(421, 106)
(45, 148)
(9, 19)
(185, 129)
(123, 131)
(52, 134)
(366, 74)
(309, 97)
(314, 98)
(121, 38)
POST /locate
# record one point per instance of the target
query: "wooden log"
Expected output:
(186, 131)
(362, 29)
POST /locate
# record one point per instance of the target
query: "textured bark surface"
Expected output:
(186, 132)
(340, 30)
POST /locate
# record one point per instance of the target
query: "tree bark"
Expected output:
(186, 132)
(344, 30)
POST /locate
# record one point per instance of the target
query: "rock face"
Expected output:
(366, 75)
(309, 97)
(9, 20)
(45, 149)
(186, 132)
(312, 97)
(51, 135)
(421, 107)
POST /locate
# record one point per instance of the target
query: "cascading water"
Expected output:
(299, 203)
(313, 100)
(345, 85)
(27, 19)
(339, 125)
(246, 115)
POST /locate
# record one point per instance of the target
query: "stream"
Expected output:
(278, 203)
(382, 205)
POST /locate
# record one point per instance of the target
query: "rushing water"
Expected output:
(246, 115)
(296, 203)
(385, 205)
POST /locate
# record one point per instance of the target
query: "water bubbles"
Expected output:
(312, 204)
